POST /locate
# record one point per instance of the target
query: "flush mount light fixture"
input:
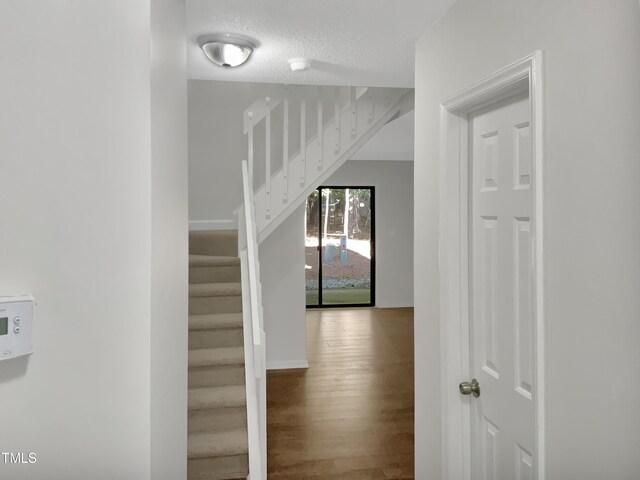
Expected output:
(299, 64)
(226, 50)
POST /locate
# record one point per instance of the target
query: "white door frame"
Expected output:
(523, 75)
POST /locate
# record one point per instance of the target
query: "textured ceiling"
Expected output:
(350, 42)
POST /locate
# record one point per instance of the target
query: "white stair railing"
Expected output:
(253, 330)
(355, 115)
(358, 113)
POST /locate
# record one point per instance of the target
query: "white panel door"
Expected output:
(501, 291)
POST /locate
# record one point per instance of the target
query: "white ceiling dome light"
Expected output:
(227, 50)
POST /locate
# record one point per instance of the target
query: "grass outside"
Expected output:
(340, 296)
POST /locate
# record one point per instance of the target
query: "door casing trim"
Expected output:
(523, 75)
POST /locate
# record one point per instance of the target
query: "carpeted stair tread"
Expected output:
(217, 375)
(231, 467)
(215, 290)
(218, 444)
(212, 261)
(210, 357)
(213, 321)
(217, 397)
(214, 242)
(217, 419)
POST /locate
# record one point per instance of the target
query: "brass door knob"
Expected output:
(470, 388)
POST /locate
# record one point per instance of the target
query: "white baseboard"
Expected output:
(395, 305)
(212, 225)
(287, 365)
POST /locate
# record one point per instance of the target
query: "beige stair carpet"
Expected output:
(217, 444)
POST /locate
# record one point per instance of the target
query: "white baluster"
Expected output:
(267, 120)
(250, 167)
(354, 112)
(303, 140)
(371, 106)
(336, 121)
(320, 129)
(285, 148)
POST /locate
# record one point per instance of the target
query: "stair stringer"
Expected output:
(387, 103)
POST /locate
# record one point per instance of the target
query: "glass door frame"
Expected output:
(372, 262)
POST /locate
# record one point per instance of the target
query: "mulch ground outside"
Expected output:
(356, 272)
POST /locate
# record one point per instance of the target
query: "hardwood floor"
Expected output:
(350, 415)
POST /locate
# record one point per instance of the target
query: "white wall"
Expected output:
(169, 242)
(283, 293)
(282, 257)
(394, 141)
(75, 209)
(394, 224)
(217, 145)
(592, 66)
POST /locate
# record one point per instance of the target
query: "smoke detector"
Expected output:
(299, 64)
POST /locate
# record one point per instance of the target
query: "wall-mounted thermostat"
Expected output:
(16, 323)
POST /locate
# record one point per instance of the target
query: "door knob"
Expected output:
(472, 388)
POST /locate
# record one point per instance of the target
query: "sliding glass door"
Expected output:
(340, 247)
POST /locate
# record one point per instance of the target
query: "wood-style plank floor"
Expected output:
(350, 415)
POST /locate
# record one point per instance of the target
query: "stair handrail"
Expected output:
(253, 331)
(252, 254)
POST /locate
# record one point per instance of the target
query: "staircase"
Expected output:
(217, 444)
(334, 122)
(227, 395)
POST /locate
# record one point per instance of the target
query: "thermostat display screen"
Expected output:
(4, 326)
